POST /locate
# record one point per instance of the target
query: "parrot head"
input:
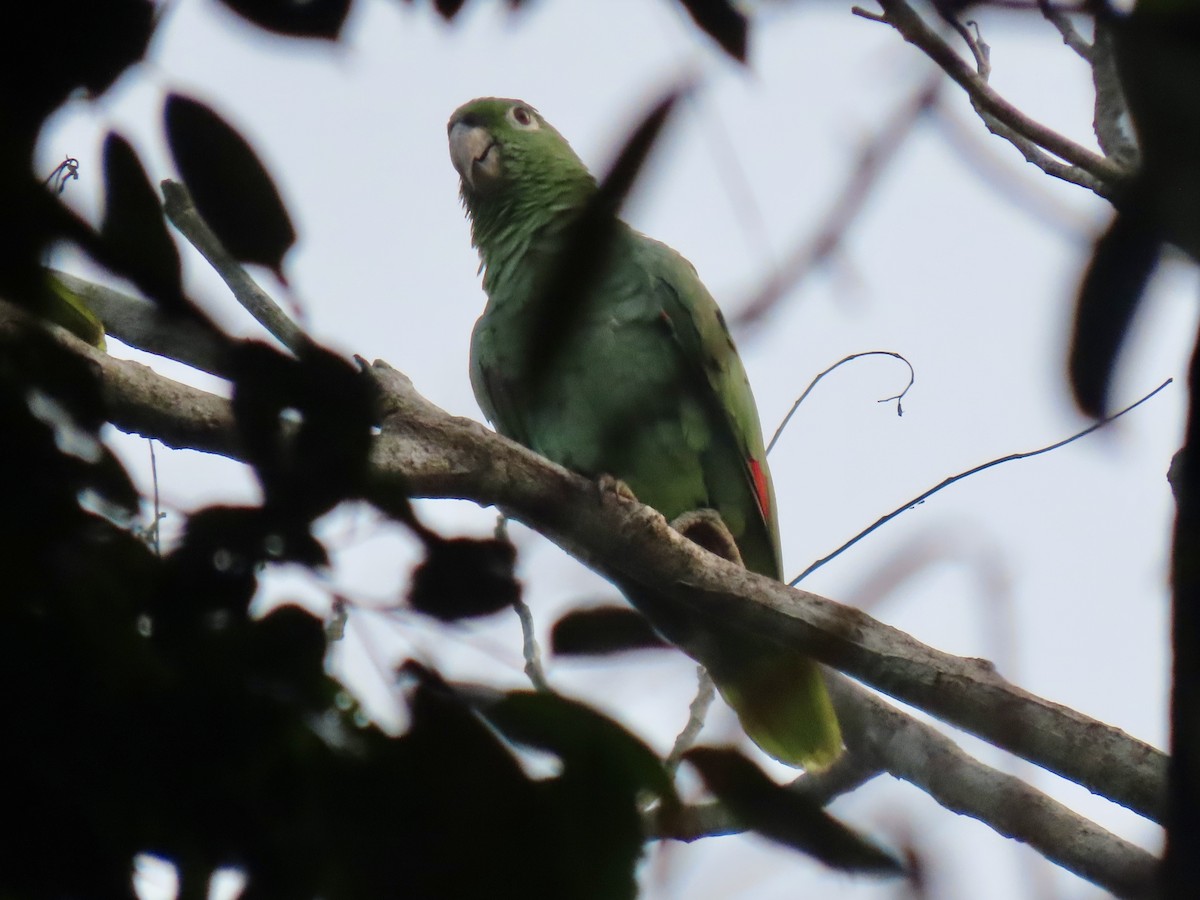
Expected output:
(504, 149)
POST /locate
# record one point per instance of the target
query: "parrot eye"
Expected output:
(522, 117)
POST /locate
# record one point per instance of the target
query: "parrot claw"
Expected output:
(706, 528)
(610, 484)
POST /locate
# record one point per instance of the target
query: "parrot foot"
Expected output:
(706, 528)
(610, 484)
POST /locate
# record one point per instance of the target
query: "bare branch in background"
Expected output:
(1038, 143)
(425, 452)
(866, 174)
(1111, 118)
(1072, 38)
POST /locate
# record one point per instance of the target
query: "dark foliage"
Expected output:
(134, 230)
(786, 816)
(1157, 50)
(461, 578)
(149, 711)
(310, 19)
(229, 185)
(601, 631)
(723, 22)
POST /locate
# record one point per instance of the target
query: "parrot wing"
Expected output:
(736, 473)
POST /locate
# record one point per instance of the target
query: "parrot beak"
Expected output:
(475, 155)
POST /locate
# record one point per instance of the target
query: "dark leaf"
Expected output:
(50, 50)
(134, 233)
(597, 632)
(579, 735)
(448, 792)
(214, 569)
(287, 657)
(786, 816)
(464, 577)
(606, 772)
(50, 453)
(310, 18)
(588, 245)
(1157, 51)
(721, 21)
(306, 426)
(231, 189)
(448, 9)
(1122, 263)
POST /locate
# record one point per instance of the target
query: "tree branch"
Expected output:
(881, 738)
(425, 452)
(177, 204)
(1111, 116)
(1032, 138)
(139, 323)
(1066, 28)
(919, 754)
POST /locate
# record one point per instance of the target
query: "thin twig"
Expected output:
(1066, 28)
(901, 16)
(67, 170)
(899, 398)
(177, 203)
(529, 645)
(697, 712)
(1043, 160)
(154, 529)
(921, 498)
(973, 39)
(866, 173)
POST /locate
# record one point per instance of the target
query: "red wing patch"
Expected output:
(761, 489)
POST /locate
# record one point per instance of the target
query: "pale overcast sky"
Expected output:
(1054, 567)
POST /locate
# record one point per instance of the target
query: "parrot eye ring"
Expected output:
(522, 116)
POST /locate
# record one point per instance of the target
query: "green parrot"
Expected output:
(644, 385)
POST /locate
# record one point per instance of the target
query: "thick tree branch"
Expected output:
(425, 452)
(919, 754)
(1032, 138)
(882, 738)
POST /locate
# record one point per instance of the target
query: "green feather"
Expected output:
(642, 383)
